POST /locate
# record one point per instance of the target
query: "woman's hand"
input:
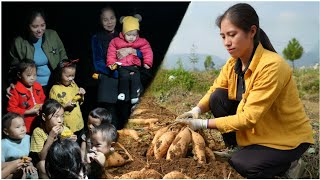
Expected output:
(195, 124)
(8, 90)
(194, 113)
(123, 52)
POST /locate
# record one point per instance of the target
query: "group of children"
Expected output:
(95, 145)
(33, 144)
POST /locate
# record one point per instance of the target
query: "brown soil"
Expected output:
(188, 166)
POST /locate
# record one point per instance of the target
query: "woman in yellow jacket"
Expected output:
(255, 101)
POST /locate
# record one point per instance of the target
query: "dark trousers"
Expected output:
(260, 162)
(254, 161)
(120, 112)
(221, 106)
(129, 82)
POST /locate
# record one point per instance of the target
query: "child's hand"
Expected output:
(33, 110)
(146, 66)
(73, 137)
(82, 91)
(69, 106)
(55, 131)
(31, 169)
(90, 156)
(100, 158)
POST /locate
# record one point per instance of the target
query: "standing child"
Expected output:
(69, 95)
(102, 138)
(130, 85)
(43, 136)
(96, 117)
(27, 95)
(15, 148)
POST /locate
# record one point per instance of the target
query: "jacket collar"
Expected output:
(256, 58)
(23, 90)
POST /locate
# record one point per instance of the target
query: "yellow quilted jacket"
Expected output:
(270, 112)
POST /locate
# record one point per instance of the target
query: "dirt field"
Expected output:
(188, 165)
(149, 108)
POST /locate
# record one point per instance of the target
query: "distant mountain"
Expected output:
(308, 59)
(170, 61)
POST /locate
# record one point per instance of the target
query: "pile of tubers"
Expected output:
(173, 142)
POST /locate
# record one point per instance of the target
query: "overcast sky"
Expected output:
(282, 21)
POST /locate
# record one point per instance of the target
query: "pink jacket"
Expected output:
(131, 60)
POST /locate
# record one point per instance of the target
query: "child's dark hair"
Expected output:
(50, 106)
(63, 64)
(25, 64)
(7, 119)
(63, 160)
(101, 113)
(109, 132)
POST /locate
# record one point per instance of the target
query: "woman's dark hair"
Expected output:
(101, 113)
(108, 130)
(107, 8)
(25, 64)
(63, 64)
(244, 16)
(64, 160)
(50, 106)
(29, 18)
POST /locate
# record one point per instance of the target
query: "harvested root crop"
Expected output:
(129, 132)
(163, 144)
(179, 146)
(143, 121)
(175, 175)
(198, 147)
(142, 174)
(209, 154)
(157, 135)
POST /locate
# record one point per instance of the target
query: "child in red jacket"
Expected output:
(27, 96)
(130, 85)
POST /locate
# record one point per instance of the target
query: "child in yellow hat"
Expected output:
(130, 85)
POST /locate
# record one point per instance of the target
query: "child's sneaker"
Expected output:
(121, 96)
(134, 100)
(296, 169)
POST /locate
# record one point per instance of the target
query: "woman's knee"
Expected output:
(218, 95)
(247, 169)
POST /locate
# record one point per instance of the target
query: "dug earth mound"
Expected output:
(157, 117)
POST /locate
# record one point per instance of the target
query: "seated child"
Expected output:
(43, 136)
(96, 117)
(27, 95)
(102, 138)
(15, 147)
(130, 86)
(64, 161)
(69, 95)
